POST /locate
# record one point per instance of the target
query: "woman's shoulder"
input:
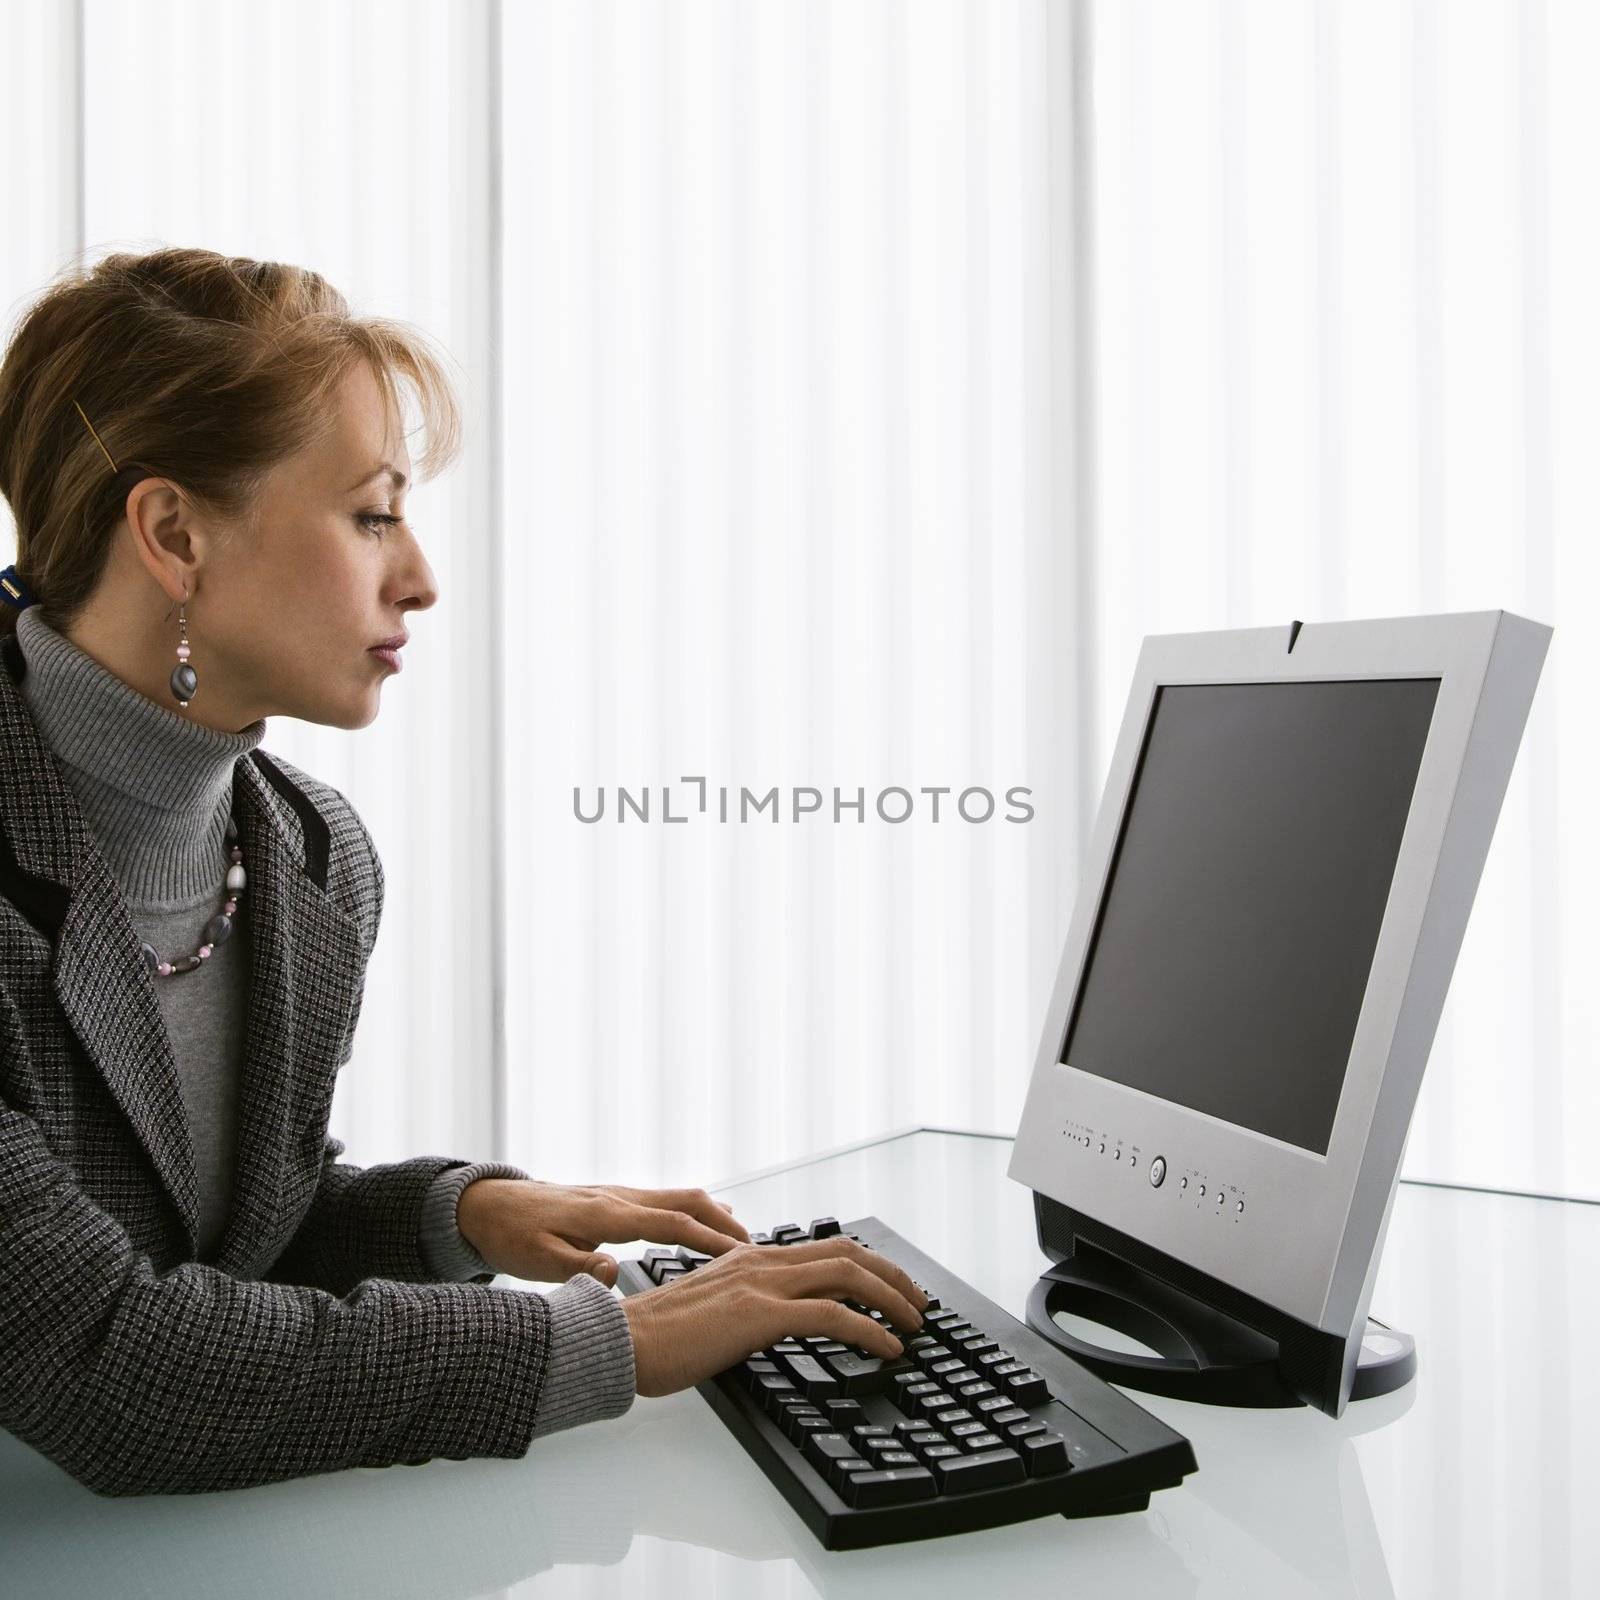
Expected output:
(355, 876)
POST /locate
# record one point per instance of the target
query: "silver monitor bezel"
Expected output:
(1307, 1239)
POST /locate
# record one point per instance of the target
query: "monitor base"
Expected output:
(1204, 1354)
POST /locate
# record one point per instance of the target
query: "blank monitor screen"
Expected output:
(1237, 930)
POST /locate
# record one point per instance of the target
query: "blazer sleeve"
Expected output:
(363, 1222)
(192, 1380)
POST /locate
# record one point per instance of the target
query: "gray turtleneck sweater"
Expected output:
(156, 791)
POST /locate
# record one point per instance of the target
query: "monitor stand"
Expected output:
(1204, 1354)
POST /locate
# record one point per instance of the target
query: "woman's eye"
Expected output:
(367, 518)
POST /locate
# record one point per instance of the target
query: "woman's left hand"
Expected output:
(548, 1231)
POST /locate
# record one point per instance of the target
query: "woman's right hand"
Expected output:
(753, 1295)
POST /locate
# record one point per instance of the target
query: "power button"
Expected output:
(1158, 1171)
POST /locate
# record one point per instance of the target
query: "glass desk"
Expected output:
(1474, 1480)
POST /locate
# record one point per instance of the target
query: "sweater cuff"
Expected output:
(445, 1252)
(591, 1375)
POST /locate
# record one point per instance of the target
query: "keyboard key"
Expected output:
(961, 1430)
(757, 1367)
(823, 1449)
(1010, 1414)
(955, 1414)
(859, 1375)
(977, 1443)
(789, 1233)
(691, 1258)
(894, 1486)
(976, 1345)
(995, 1358)
(940, 1452)
(990, 1404)
(869, 1430)
(797, 1427)
(985, 1470)
(911, 1403)
(809, 1375)
(897, 1458)
(824, 1227)
(770, 1389)
(1044, 1455)
(928, 1354)
(1027, 1388)
(949, 1364)
(975, 1390)
(845, 1414)
(1023, 1430)
(839, 1471)
(930, 1405)
(1006, 1368)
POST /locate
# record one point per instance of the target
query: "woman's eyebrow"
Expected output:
(397, 476)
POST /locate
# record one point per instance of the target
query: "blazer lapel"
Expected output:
(305, 973)
(108, 997)
(305, 977)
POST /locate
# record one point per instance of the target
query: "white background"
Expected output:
(849, 388)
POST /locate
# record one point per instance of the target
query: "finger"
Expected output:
(570, 1260)
(699, 1205)
(838, 1321)
(873, 1260)
(678, 1227)
(836, 1275)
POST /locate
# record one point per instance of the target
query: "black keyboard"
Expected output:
(980, 1422)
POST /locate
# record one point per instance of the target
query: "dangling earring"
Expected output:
(184, 680)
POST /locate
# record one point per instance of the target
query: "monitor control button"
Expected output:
(1158, 1171)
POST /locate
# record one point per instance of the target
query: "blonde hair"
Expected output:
(202, 368)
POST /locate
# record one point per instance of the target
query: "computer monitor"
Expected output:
(1274, 895)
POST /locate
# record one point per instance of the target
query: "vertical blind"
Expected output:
(849, 388)
(783, 510)
(1347, 364)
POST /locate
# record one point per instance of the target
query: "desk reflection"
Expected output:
(1480, 1470)
(1278, 1508)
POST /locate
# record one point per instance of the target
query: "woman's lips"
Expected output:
(392, 657)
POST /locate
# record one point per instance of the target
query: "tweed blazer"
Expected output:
(318, 1340)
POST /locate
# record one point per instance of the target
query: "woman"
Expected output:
(195, 1293)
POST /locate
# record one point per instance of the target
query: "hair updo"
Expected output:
(202, 368)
